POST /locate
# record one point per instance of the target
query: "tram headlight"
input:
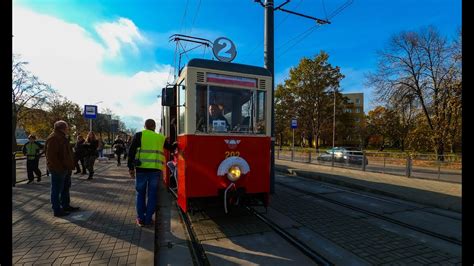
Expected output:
(234, 173)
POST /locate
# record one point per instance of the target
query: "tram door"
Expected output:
(169, 127)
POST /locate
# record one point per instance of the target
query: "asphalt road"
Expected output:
(433, 173)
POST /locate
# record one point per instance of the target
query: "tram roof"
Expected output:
(231, 67)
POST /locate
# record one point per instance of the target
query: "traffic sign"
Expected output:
(90, 111)
(114, 124)
(294, 123)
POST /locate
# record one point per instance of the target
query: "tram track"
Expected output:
(310, 253)
(374, 214)
(199, 254)
(422, 209)
(197, 250)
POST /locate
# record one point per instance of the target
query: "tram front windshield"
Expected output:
(230, 110)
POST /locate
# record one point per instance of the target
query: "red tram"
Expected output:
(219, 114)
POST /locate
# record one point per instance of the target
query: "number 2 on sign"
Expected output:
(232, 153)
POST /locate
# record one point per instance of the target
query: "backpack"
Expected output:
(118, 147)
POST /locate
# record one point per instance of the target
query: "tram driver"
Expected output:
(216, 114)
(217, 121)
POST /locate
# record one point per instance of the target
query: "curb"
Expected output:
(332, 178)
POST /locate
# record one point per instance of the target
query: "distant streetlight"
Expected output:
(333, 127)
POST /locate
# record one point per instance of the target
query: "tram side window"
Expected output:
(260, 116)
(182, 107)
(201, 108)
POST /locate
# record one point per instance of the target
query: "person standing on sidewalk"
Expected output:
(128, 142)
(100, 147)
(60, 163)
(146, 160)
(79, 153)
(119, 148)
(31, 150)
(91, 153)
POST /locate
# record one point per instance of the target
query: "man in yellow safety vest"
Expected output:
(146, 163)
(32, 151)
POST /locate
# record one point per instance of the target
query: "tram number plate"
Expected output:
(232, 153)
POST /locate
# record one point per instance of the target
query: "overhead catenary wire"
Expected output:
(195, 16)
(173, 69)
(183, 20)
(308, 32)
(287, 15)
(324, 8)
(332, 15)
(295, 38)
(192, 23)
(276, 27)
(339, 9)
(191, 26)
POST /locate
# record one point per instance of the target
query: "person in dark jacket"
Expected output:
(79, 154)
(147, 163)
(119, 148)
(31, 150)
(91, 153)
(128, 142)
(100, 147)
(60, 163)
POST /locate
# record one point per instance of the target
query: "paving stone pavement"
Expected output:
(102, 232)
(369, 242)
(434, 193)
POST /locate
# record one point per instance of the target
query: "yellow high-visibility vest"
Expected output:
(32, 149)
(150, 153)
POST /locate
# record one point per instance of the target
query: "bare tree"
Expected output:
(28, 93)
(404, 110)
(419, 68)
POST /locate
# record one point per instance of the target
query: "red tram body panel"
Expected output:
(200, 156)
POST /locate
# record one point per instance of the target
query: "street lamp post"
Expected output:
(333, 127)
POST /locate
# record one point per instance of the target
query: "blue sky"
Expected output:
(117, 51)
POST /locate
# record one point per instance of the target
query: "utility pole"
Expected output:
(269, 59)
(333, 127)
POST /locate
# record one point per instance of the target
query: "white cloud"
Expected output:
(122, 31)
(66, 56)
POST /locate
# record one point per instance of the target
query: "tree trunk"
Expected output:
(440, 150)
(310, 140)
(281, 140)
(14, 117)
(14, 134)
(316, 142)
